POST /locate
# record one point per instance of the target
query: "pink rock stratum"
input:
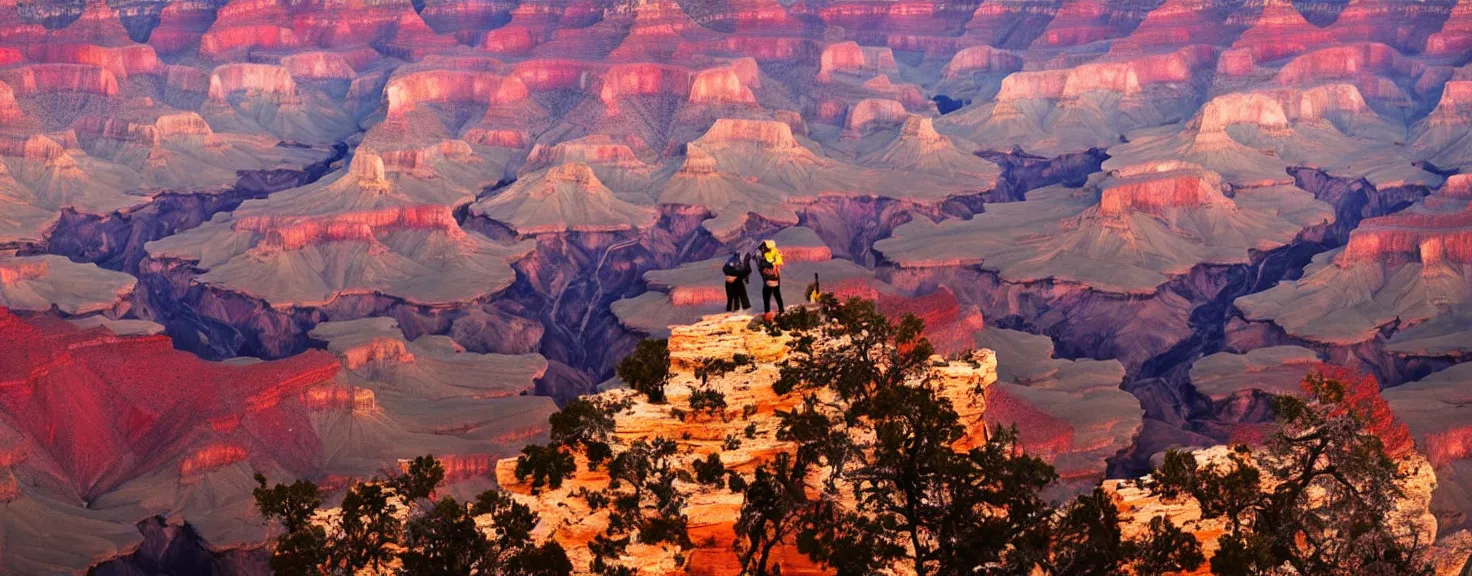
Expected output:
(1155, 214)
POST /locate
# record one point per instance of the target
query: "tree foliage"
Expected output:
(881, 438)
(1319, 498)
(647, 369)
(438, 538)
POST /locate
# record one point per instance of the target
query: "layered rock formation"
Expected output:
(1126, 233)
(40, 283)
(1396, 287)
(366, 230)
(152, 431)
(635, 144)
(712, 511)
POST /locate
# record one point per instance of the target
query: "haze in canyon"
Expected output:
(316, 238)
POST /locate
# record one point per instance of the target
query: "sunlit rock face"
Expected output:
(1135, 193)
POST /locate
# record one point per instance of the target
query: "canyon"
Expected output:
(370, 230)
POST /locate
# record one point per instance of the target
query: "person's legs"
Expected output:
(743, 299)
(766, 298)
(732, 299)
(777, 293)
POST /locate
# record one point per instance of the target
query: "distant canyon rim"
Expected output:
(368, 230)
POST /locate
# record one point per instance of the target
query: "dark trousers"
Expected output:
(736, 298)
(769, 292)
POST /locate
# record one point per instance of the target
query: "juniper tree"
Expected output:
(1318, 498)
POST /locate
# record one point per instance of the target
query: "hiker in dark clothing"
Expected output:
(769, 264)
(738, 274)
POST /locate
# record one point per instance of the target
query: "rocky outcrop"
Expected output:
(121, 396)
(566, 518)
(566, 197)
(39, 283)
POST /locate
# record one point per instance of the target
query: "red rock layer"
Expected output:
(871, 112)
(66, 78)
(9, 108)
(850, 57)
(181, 24)
(1127, 77)
(14, 271)
(1455, 37)
(1154, 188)
(121, 61)
(33, 148)
(982, 59)
(1348, 63)
(1041, 434)
(1426, 238)
(273, 82)
(1178, 23)
(1080, 22)
(91, 401)
(450, 86)
(1281, 31)
(294, 233)
(625, 80)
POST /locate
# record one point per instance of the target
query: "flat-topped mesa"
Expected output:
(1125, 77)
(872, 113)
(32, 79)
(1328, 102)
(596, 150)
(121, 61)
(850, 57)
(982, 59)
(296, 232)
(1157, 187)
(406, 92)
(333, 398)
(223, 43)
(181, 124)
(767, 134)
(254, 80)
(1349, 62)
(375, 352)
(319, 65)
(1277, 370)
(1430, 239)
(541, 74)
(727, 84)
(46, 282)
(1258, 109)
(644, 79)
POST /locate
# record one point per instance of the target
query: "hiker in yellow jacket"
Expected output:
(769, 264)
